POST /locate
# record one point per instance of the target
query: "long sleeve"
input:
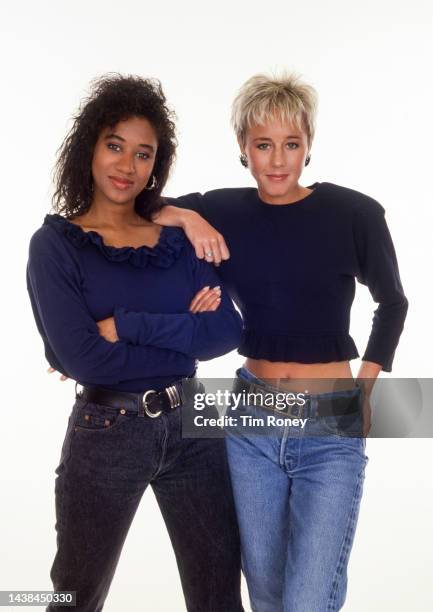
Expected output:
(71, 336)
(191, 201)
(378, 269)
(203, 335)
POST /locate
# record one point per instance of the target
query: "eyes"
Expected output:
(264, 146)
(116, 147)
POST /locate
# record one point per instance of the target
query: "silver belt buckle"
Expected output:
(173, 396)
(152, 415)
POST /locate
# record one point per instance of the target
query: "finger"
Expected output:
(202, 302)
(224, 250)
(200, 307)
(211, 306)
(208, 251)
(215, 250)
(63, 377)
(209, 295)
(209, 299)
(199, 250)
(50, 370)
(208, 305)
(220, 249)
(198, 296)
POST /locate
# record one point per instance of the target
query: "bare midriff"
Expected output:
(319, 377)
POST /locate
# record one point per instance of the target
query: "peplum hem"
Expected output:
(308, 348)
(162, 255)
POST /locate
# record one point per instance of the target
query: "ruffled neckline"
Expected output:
(163, 254)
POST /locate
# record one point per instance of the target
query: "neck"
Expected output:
(296, 194)
(109, 214)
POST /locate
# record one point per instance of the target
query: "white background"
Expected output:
(371, 64)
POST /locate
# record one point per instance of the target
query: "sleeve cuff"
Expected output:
(130, 326)
(386, 363)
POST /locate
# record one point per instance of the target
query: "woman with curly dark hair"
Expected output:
(92, 266)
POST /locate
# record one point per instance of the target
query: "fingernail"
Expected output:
(217, 288)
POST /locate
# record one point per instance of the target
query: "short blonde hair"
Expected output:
(285, 96)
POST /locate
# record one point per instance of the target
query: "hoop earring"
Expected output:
(307, 160)
(153, 185)
(244, 160)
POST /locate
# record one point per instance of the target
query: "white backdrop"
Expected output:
(371, 64)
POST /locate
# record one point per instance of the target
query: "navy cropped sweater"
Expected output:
(74, 280)
(293, 267)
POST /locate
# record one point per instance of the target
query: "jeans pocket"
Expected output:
(93, 417)
(66, 446)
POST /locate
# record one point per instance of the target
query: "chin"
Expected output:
(276, 193)
(117, 198)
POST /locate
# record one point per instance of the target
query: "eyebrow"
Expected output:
(270, 139)
(117, 137)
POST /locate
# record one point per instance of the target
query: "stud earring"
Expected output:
(307, 160)
(244, 160)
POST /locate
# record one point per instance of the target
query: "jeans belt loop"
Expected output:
(294, 411)
(314, 406)
(300, 410)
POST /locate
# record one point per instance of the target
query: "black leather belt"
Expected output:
(332, 406)
(151, 403)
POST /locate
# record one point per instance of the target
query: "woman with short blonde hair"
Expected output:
(292, 274)
(287, 97)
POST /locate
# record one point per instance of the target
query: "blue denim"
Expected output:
(107, 461)
(297, 495)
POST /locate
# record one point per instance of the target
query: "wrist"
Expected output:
(186, 216)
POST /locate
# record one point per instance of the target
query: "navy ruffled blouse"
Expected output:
(74, 280)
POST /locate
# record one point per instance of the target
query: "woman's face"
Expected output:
(123, 160)
(276, 155)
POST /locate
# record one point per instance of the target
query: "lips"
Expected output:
(121, 183)
(277, 177)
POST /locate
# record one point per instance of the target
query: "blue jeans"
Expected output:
(108, 459)
(297, 495)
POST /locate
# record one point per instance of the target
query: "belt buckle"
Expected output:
(152, 415)
(173, 396)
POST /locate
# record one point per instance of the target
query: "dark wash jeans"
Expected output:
(102, 475)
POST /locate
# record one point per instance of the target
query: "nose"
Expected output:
(277, 158)
(126, 164)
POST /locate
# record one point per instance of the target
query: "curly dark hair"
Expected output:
(113, 98)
